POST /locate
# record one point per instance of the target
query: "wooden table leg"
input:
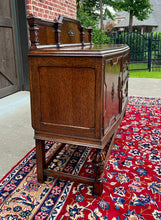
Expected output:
(98, 162)
(40, 160)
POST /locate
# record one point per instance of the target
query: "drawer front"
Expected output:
(111, 91)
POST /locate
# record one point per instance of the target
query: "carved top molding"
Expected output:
(72, 26)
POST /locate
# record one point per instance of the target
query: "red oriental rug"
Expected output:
(132, 181)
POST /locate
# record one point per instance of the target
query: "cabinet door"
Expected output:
(111, 91)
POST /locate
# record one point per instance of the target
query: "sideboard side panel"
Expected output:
(67, 96)
(64, 96)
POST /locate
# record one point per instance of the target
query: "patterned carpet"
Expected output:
(132, 180)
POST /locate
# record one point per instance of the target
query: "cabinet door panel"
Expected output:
(111, 93)
(69, 98)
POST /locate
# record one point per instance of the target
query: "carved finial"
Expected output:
(82, 35)
(34, 30)
(57, 25)
(90, 34)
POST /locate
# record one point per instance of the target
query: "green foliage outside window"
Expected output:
(98, 36)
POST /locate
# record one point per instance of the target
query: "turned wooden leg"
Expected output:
(40, 160)
(98, 162)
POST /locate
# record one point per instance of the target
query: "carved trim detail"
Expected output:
(34, 31)
(71, 33)
(112, 92)
(34, 34)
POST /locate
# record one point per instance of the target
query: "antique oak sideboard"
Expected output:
(79, 93)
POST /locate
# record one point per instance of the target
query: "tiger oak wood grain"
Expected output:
(79, 92)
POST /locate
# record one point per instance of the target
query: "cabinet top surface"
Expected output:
(77, 50)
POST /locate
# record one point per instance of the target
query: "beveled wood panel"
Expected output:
(66, 99)
(46, 35)
(70, 32)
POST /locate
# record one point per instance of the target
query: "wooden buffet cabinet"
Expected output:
(79, 92)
